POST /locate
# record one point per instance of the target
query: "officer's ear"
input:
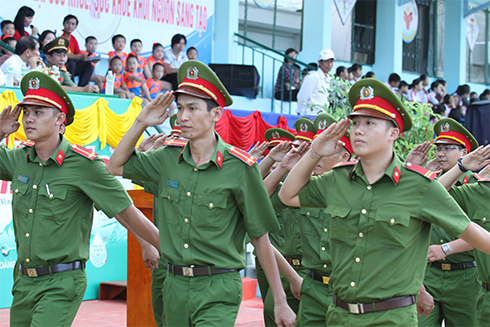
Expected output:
(217, 112)
(392, 131)
(344, 155)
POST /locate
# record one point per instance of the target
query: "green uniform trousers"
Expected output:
(483, 308)
(293, 302)
(315, 299)
(49, 300)
(261, 279)
(405, 316)
(455, 294)
(157, 279)
(203, 300)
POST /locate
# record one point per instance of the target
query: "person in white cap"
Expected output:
(314, 89)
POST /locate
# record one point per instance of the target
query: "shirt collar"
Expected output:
(57, 157)
(393, 172)
(216, 158)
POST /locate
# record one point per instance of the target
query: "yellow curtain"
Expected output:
(95, 121)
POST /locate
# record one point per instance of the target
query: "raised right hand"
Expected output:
(9, 120)
(327, 143)
(155, 113)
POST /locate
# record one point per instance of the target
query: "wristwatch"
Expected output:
(446, 249)
(461, 167)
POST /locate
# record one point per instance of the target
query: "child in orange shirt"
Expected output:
(118, 43)
(135, 81)
(120, 88)
(157, 55)
(136, 48)
(91, 46)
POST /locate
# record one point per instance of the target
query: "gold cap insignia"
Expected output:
(303, 127)
(61, 41)
(192, 73)
(34, 83)
(445, 127)
(367, 93)
(322, 124)
(275, 135)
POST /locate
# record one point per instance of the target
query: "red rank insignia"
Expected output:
(396, 175)
(27, 142)
(175, 142)
(219, 159)
(84, 152)
(466, 180)
(242, 155)
(422, 171)
(59, 157)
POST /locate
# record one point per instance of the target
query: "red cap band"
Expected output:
(204, 86)
(382, 106)
(455, 136)
(49, 97)
(308, 136)
(347, 144)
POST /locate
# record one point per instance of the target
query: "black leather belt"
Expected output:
(485, 286)
(359, 308)
(454, 266)
(60, 267)
(196, 271)
(318, 277)
(294, 262)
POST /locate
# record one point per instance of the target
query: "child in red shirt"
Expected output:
(118, 43)
(136, 48)
(91, 46)
(135, 81)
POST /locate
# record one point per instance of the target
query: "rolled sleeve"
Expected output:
(313, 194)
(144, 166)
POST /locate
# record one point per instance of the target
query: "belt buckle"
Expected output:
(188, 271)
(356, 308)
(296, 262)
(445, 266)
(31, 272)
(325, 279)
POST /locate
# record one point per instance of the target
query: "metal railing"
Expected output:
(268, 71)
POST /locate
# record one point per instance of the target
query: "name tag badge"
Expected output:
(172, 184)
(23, 179)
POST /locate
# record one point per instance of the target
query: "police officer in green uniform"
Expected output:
(56, 54)
(452, 281)
(211, 194)
(380, 213)
(55, 186)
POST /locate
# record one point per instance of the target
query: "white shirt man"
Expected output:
(314, 89)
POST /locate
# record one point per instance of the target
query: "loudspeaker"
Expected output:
(238, 79)
(477, 121)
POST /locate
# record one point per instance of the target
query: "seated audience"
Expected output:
(485, 95)
(403, 90)
(436, 89)
(136, 49)
(135, 81)
(356, 71)
(370, 75)
(90, 48)
(8, 28)
(174, 57)
(45, 37)
(157, 55)
(120, 88)
(393, 82)
(424, 94)
(473, 97)
(22, 20)
(287, 81)
(118, 43)
(342, 73)
(414, 93)
(26, 53)
(192, 53)
(11, 42)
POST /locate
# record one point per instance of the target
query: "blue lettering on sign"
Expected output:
(23, 179)
(172, 184)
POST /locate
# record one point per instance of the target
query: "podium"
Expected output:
(139, 308)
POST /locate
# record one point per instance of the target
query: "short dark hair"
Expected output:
(6, 40)
(210, 104)
(423, 77)
(435, 84)
(156, 45)
(394, 77)
(68, 17)
(439, 109)
(176, 39)
(131, 56)
(443, 82)
(43, 36)
(415, 82)
(354, 68)
(155, 65)
(24, 43)
(23, 12)
(402, 84)
(369, 75)
(133, 41)
(191, 48)
(5, 23)
(339, 70)
(114, 58)
(463, 89)
(117, 36)
(88, 38)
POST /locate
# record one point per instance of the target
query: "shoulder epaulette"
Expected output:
(242, 155)
(344, 164)
(421, 170)
(27, 142)
(481, 179)
(174, 142)
(89, 154)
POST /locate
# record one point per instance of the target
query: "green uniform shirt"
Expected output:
(438, 236)
(290, 216)
(65, 76)
(380, 232)
(205, 211)
(474, 199)
(53, 202)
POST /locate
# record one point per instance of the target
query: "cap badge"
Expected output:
(367, 93)
(61, 42)
(322, 124)
(275, 135)
(445, 127)
(34, 83)
(192, 73)
(303, 127)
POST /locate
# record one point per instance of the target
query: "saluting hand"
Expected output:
(258, 150)
(328, 142)
(278, 152)
(155, 113)
(477, 159)
(9, 120)
(293, 156)
(485, 173)
(418, 155)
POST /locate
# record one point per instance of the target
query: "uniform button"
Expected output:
(30, 210)
(211, 205)
(186, 246)
(168, 197)
(442, 241)
(484, 218)
(188, 193)
(40, 164)
(358, 259)
(352, 284)
(34, 186)
(27, 234)
(16, 191)
(51, 195)
(325, 230)
(27, 260)
(361, 234)
(323, 248)
(392, 220)
(307, 213)
(363, 211)
(186, 220)
(195, 169)
(325, 266)
(369, 187)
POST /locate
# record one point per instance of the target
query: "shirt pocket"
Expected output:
(392, 227)
(210, 211)
(482, 218)
(311, 224)
(20, 198)
(339, 228)
(49, 204)
(171, 198)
